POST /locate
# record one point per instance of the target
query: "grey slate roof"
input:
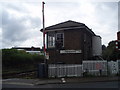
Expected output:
(67, 24)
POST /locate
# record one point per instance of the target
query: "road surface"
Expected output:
(110, 84)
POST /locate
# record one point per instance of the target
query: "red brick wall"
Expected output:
(73, 40)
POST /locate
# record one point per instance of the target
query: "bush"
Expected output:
(12, 58)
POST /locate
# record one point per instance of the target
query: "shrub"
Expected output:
(12, 58)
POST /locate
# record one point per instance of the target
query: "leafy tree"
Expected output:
(111, 53)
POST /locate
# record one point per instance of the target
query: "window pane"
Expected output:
(59, 38)
(51, 40)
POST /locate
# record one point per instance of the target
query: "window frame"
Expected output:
(63, 37)
(50, 41)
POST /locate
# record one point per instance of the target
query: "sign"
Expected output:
(70, 51)
(98, 66)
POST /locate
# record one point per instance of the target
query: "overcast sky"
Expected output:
(21, 21)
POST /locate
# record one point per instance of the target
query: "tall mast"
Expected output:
(43, 32)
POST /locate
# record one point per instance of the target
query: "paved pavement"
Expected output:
(58, 80)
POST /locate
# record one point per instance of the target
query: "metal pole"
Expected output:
(44, 49)
(43, 30)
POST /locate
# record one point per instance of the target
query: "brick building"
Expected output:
(69, 42)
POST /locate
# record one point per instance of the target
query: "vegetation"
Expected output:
(110, 52)
(18, 60)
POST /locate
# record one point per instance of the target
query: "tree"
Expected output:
(104, 47)
(110, 53)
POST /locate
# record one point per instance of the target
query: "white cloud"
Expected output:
(18, 24)
(0, 37)
(22, 20)
(100, 16)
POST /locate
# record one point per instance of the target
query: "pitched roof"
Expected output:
(65, 25)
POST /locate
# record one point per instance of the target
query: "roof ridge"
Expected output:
(75, 22)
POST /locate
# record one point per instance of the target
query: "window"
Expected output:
(51, 40)
(60, 38)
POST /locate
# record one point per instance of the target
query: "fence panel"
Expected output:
(64, 70)
(96, 68)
